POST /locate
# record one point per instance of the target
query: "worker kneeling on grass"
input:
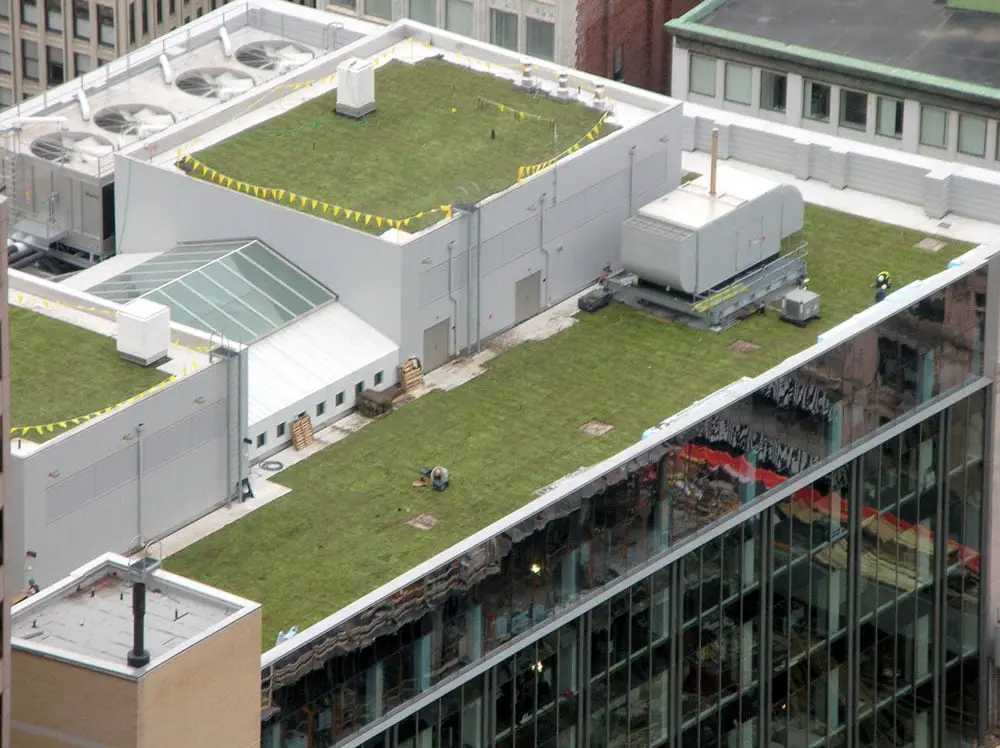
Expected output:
(436, 478)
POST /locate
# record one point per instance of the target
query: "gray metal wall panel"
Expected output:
(564, 216)
(459, 271)
(975, 199)
(90, 506)
(881, 177)
(765, 150)
(521, 239)
(433, 283)
(822, 163)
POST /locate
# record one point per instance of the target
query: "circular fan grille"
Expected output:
(133, 119)
(273, 55)
(71, 147)
(215, 83)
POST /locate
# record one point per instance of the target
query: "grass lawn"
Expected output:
(426, 138)
(59, 371)
(341, 532)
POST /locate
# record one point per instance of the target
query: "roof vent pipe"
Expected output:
(139, 656)
(715, 161)
(168, 74)
(81, 97)
(227, 43)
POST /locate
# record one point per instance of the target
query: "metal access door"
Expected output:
(749, 245)
(436, 351)
(527, 297)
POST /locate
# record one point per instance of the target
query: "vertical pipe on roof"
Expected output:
(715, 161)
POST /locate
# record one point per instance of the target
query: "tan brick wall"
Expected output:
(69, 700)
(207, 696)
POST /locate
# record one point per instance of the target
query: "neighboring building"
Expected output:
(920, 77)
(9, 579)
(94, 667)
(797, 560)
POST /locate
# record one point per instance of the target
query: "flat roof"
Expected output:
(930, 41)
(516, 429)
(87, 617)
(436, 125)
(61, 373)
(692, 205)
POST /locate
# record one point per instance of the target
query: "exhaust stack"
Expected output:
(715, 161)
(139, 656)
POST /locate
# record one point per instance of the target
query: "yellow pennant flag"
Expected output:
(204, 170)
(336, 211)
(239, 186)
(501, 107)
(418, 216)
(391, 223)
(229, 181)
(378, 221)
(326, 207)
(406, 222)
(212, 177)
(303, 201)
(590, 136)
(520, 115)
(446, 209)
(368, 219)
(256, 191)
(280, 194)
(520, 172)
(357, 216)
(347, 214)
(291, 197)
(314, 204)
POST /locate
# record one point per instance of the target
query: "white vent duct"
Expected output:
(20, 123)
(227, 43)
(168, 74)
(81, 97)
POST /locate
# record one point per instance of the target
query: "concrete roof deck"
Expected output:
(87, 617)
(924, 39)
(510, 432)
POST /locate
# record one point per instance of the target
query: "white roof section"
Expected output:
(146, 92)
(86, 618)
(314, 352)
(692, 205)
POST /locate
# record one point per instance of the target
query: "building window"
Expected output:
(53, 15)
(424, 11)
(56, 66)
(29, 12)
(972, 135)
(359, 387)
(378, 8)
(379, 377)
(701, 76)
(540, 39)
(773, 91)
(5, 9)
(5, 61)
(458, 17)
(131, 24)
(106, 25)
(159, 11)
(81, 19)
(320, 408)
(280, 430)
(145, 17)
(6, 98)
(29, 60)
(934, 126)
(853, 109)
(816, 102)
(82, 63)
(350, 5)
(889, 113)
(261, 440)
(739, 83)
(339, 399)
(618, 63)
(503, 29)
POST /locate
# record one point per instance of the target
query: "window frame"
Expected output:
(320, 408)
(339, 399)
(784, 91)
(807, 100)
(379, 378)
(900, 112)
(727, 94)
(928, 109)
(962, 118)
(705, 59)
(845, 93)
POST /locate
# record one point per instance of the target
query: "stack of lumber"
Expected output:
(302, 433)
(411, 375)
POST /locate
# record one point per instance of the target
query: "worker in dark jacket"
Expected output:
(439, 478)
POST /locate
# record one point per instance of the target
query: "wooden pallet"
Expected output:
(411, 376)
(302, 433)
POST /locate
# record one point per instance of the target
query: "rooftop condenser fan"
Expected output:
(279, 56)
(71, 148)
(215, 83)
(134, 119)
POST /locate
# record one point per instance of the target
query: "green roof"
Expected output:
(342, 531)
(437, 127)
(60, 372)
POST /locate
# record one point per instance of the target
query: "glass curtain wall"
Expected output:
(864, 587)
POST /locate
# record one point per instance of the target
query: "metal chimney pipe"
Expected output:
(715, 160)
(138, 657)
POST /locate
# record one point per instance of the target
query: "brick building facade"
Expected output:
(625, 39)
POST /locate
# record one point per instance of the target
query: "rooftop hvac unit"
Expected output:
(355, 88)
(800, 306)
(143, 332)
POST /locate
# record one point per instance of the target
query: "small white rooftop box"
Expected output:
(355, 87)
(143, 332)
